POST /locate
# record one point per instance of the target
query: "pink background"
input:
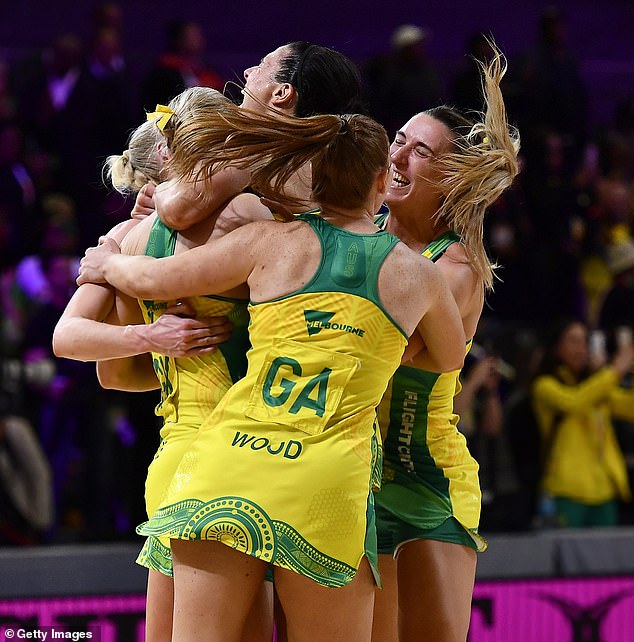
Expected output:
(520, 613)
(514, 611)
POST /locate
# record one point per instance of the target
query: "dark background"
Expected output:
(240, 32)
(558, 214)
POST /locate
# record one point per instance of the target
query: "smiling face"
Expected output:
(413, 153)
(261, 84)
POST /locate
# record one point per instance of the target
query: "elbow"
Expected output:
(107, 382)
(454, 363)
(128, 374)
(445, 362)
(173, 213)
(111, 378)
(62, 343)
(452, 358)
(171, 220)
(58, 345)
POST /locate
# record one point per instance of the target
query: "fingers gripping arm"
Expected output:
(209, 269)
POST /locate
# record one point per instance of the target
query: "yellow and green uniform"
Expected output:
(282, 470)
(430, 487)
(191, 388)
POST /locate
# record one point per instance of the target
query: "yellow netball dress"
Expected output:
(282, 470)
(430, 487)
(191, 388)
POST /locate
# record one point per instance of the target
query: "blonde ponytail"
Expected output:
(481, 166)
(137, 165)
(141, 163)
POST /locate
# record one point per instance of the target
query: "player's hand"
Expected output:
(185, 336)
(91, 265)
(144, 203)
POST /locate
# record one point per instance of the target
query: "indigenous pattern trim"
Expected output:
(243, 525)
(156, 556)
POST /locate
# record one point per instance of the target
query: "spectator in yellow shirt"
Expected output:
(575, 398)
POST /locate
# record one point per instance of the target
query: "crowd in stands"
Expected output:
(563, 237)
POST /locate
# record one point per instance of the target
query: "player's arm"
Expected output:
(441, 326)
(134, 373)
(80, 333)
(241, 210)
(98, 325)
(209, 269)
(460, 279)
(182, 203)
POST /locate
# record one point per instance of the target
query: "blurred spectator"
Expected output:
(7, 99)
(510, 242)
(107, 15)
(480, 392)
(480, 407)
(545, 90)
(613, 186)
(59, 236)
(75, 106)
(617, 310)
(26, 498)
(576, 396)
(105, 57)
(46, 89)
(624, 125)
(69, 409)
(107, 66)
(616, 317)
(403, 82)
(107, 76)
(182, 66)
(466, 93)
(521, 426)
(59, 399)
(558, 229)
(24, 288)
(18, 196)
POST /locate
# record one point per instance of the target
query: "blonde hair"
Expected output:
(346, 151)
(480, 166)
(140, 164)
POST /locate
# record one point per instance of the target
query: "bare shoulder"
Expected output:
(262, 231)
(466, 286)
(241, 210)
(136, 239)
(413, 260)
(120, 230)
(411, 271)
(249, 207)
(459, 272)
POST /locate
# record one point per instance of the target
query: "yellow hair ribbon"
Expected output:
(163, 114)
